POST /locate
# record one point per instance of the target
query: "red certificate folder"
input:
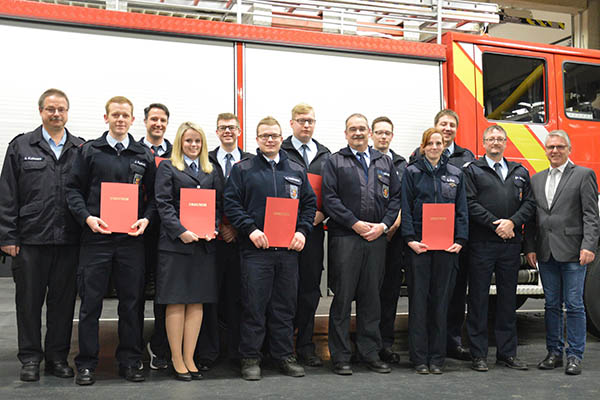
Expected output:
(158, 160)
(438, 226)
(119, 206)
(316, 181)
(197, 210)
(280, 221)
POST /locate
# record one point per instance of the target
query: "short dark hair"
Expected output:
(381, 119)
(445, 112)
(156, 105)
(52, 92)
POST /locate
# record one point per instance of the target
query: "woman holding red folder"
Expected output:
(186, 271)
(431, 273)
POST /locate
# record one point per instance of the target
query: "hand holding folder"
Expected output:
(438, 226)
(118, 210)
(197, 212)
(280, 221)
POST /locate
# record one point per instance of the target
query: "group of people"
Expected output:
(372, 200)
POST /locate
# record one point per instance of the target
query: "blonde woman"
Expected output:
(186, 270)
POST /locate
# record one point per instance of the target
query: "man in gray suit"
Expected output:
(563, 240)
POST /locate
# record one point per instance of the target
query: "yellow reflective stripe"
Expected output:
(525, 142)
(463, 68)
(479, 86)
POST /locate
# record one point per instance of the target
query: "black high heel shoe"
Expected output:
(185, 376)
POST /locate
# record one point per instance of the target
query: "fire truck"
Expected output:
(200, 67)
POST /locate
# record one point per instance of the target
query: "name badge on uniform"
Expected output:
(293, 192)
(32, 158)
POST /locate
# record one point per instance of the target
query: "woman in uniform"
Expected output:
(431, 273)
(186, 270)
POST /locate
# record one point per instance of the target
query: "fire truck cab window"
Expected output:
(582, 91)
(514, 88)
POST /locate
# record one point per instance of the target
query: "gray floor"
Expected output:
(458, 382)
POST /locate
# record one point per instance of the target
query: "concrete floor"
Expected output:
(458, 381)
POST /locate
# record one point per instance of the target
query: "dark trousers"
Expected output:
(158, 341)
(45, 273)
(458, 300)
(207, 348)
(357, 269)
(269, 294)
(503, 259)
(431, 278)
(390, 290)
(310, 269)
(122, 258)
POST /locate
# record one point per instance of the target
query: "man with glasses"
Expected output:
(563, 240)
(39, 232)
(269, 275)
(382, 133)
(361, 195)
(500, 202)
(224, 157)
(306, 151)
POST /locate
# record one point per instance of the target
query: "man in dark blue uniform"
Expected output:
(228, 258)
(302, 148)
(269, 275)
(114, 157)
(156, 119)
(361, 195)
(500, 202)
(382, 133)
(37, 229)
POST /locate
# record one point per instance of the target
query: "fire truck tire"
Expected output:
(591, 298)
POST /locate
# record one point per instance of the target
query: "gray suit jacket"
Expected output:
(571, 224)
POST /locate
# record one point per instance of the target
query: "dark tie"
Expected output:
(498, 171)
(363, 163)
(228, 164)
(272, 163)
(304, 155)
(447, 153)
(194, 168)
(155, 149)
(119, 147)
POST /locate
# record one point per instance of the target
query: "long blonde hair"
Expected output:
(177, 153)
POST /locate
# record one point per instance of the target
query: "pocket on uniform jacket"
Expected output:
(449, 185)
(383, 178)
(33, 165)
(292, 186)
(136, 172)
(31, 208)
(574, 230)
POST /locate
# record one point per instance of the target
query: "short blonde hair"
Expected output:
(118, 100)
(301, 108)
(177, 153)
(269, 121)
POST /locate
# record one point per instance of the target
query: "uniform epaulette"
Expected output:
(465, 165)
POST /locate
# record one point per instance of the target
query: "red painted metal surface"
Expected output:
(239, 89)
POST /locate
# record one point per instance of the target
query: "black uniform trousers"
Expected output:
(45, 272)
(503, 259)
(357, 268)
(431, 278)
(458, 300)
(390, 289)
(269, 294)
(309, 289)
(123, 258)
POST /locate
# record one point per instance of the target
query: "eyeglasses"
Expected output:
(52, 110)
(361, 129)
(559, 147)
(304, 121)
(223, 128)
(383, 133)
(495, 139)
(265, 137)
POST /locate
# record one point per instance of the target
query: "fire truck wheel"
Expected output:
(591, 298)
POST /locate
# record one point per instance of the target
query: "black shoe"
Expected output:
(59, 369)
(378, 366)
(422, 369)
(156, 362)
(309, 359)
(85, 376)
(132, 374)
(290, 367)
(389, 356)
(573, 366)
(204, 365)
(182, 376)
(512, 362)
(251, 369)
(342, 368)
(459, 353)
(30, 372)
(551, 361)
(479, 364)
(435, 369)
(196, 376)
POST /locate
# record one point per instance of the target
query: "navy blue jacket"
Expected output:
(347, 198)
(490, 199)
(252, 180)
(400, 164)
(445, 185)
(98, 162)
